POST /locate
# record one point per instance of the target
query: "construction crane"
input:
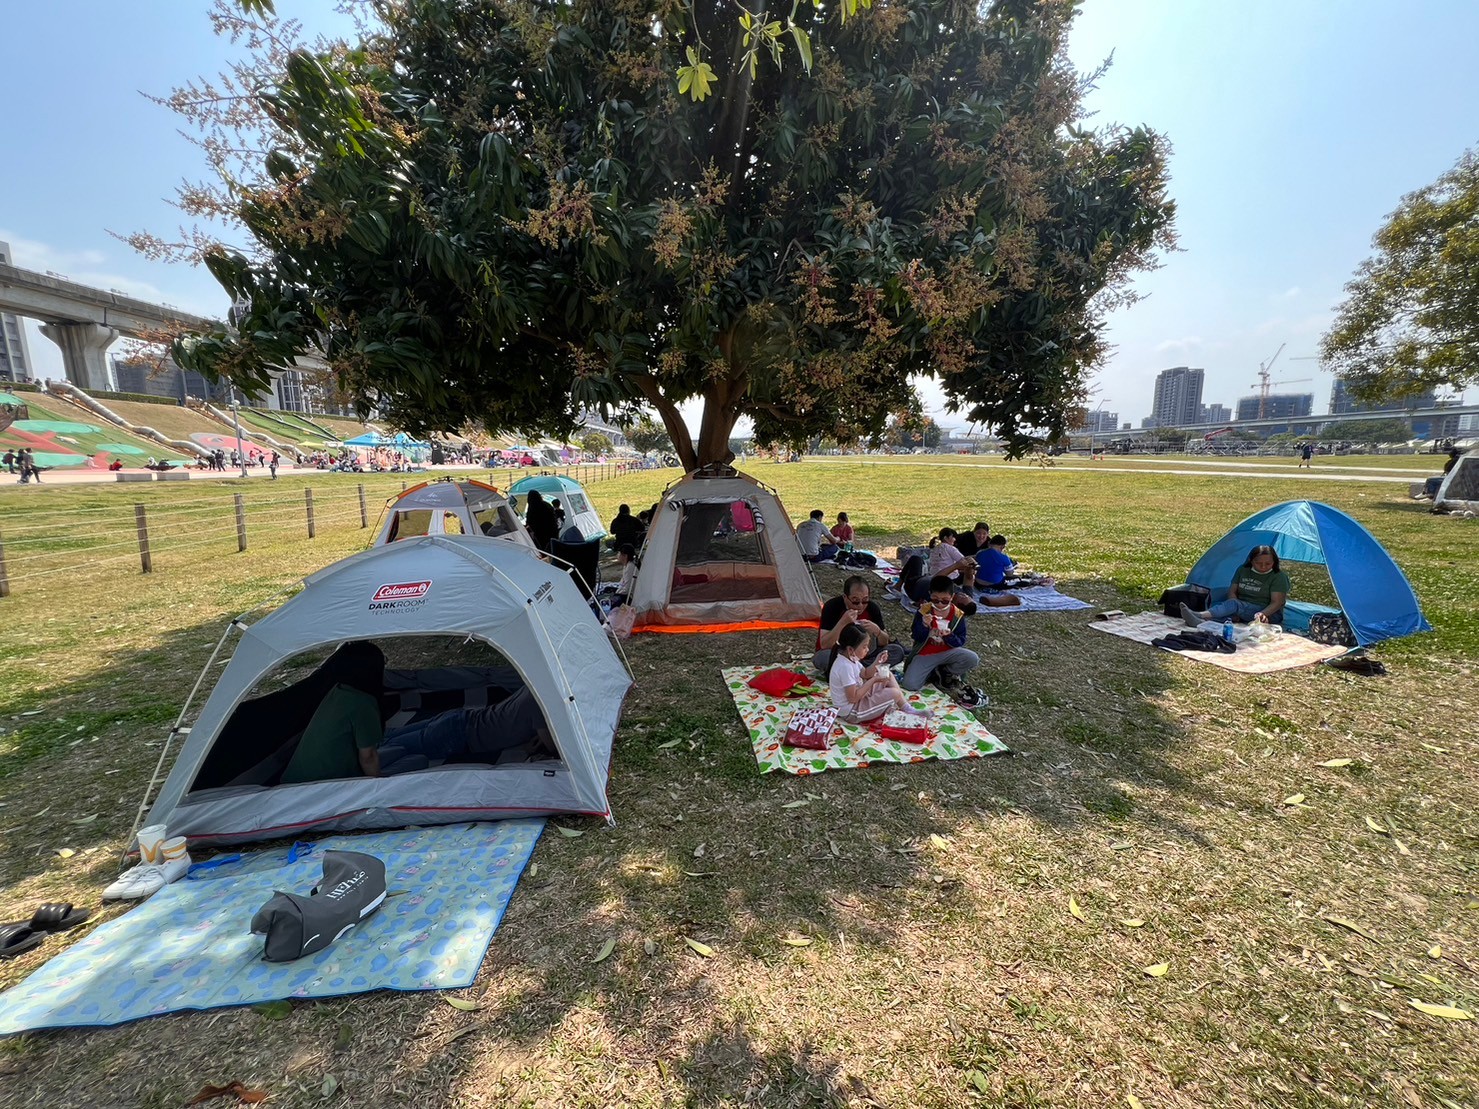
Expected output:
(1264, 384)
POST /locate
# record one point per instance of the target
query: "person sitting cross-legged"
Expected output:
(862, 691)
(1256, 595)
(940, 654)
(817, 543)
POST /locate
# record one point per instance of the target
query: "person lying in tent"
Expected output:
(343, 736)
(1256, 595)
(514, 720)
(346, 739)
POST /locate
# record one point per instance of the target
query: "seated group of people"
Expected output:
(856, 652)
(977, 565)
(346, 737)
(820, 543)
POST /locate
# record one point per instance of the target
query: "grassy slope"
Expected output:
(1146, 787)
(50, 408)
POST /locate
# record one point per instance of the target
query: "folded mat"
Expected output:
(1035, 598)
(1282, 652)
(188, 946)
(958, 734)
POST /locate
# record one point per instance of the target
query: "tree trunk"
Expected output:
(672, 421)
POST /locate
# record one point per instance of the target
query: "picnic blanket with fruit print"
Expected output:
(955, 731)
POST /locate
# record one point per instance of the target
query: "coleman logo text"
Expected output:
(400, 595)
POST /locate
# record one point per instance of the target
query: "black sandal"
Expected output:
(58, 916)
(18, 937)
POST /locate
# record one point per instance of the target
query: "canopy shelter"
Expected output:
(573, 499)
(437, 591)
(451, 507)
(721, 555)
(1373, 593)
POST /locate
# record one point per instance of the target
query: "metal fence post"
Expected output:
(241, 543)
(308, 500)
(141, 521)
(364, 513)
(4, 578)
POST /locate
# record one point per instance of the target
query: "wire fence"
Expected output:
(168, 535)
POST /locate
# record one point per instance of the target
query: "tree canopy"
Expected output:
(1410, 321)
(509, 211)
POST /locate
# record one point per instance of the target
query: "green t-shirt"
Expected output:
(345, 723)
(1256, 588)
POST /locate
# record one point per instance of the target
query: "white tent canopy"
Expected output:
(465, 588)
(451, 507)
(1460, 489)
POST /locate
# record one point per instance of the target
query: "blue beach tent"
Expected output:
(1372, 591)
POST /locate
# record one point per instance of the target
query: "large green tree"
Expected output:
(1410, 320)
(509, 210)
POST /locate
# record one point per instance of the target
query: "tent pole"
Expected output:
(174, 731)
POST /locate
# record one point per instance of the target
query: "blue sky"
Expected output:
(1297, 127)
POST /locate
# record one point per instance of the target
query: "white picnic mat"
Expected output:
(1282, 652)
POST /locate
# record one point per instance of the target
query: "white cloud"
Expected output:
(1291, 293)
(1181, 346)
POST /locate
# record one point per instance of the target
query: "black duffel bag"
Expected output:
(1195, 597)
(1332, 629)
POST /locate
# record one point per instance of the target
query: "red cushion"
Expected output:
(778, 682)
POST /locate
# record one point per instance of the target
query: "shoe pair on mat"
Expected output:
(20, 936)
(967, 696)
(162, 860)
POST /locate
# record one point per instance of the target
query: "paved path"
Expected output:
(1095, 468)
(84, 476)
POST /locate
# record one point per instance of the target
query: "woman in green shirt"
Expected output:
(1256, 595)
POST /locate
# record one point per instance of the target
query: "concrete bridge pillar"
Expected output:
(83, 346)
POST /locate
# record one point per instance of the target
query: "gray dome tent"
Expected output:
(451, 507)
(469, 588)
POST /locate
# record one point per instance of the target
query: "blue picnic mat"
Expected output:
(188, 946)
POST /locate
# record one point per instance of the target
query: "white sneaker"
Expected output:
(147, 879)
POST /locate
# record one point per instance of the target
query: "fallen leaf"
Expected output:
(796, 941)
(1377, 828)
(1336, 764)
(1436, 750)
(463, 1004)
(86, 819)
(65, 852)
(939, 842)
(1436, 951)
(662, 1068)
(794, 804)
(699, 948)
(1400, 846)
(649, 946)
(274, 1010)
(1134, 1102)
(700, 873)
(1121, 845)
(605, 953)
(235, 1089)
(1378, 1015)
(33, 712)
(1294, 799)
(1157, 970)
(533, 869)
(1447, 1012)
(344, 1037)
(1133, 922)
(979, 1081)
(1349, 925)
(669, 743)
(1073, 907)
(330, 1085)
(572, 833)
(698, 852)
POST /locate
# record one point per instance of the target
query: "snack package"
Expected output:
(811, 727)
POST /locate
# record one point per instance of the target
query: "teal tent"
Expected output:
(1373, 593)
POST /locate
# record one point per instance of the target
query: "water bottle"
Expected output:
(1227, 631)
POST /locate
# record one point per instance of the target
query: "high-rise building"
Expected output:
(1216, 414)
(15, 355)
(1280, 406)
(1178, 397)
(1099, 421)
(1342, 403)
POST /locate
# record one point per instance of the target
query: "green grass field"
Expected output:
(979, 930)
